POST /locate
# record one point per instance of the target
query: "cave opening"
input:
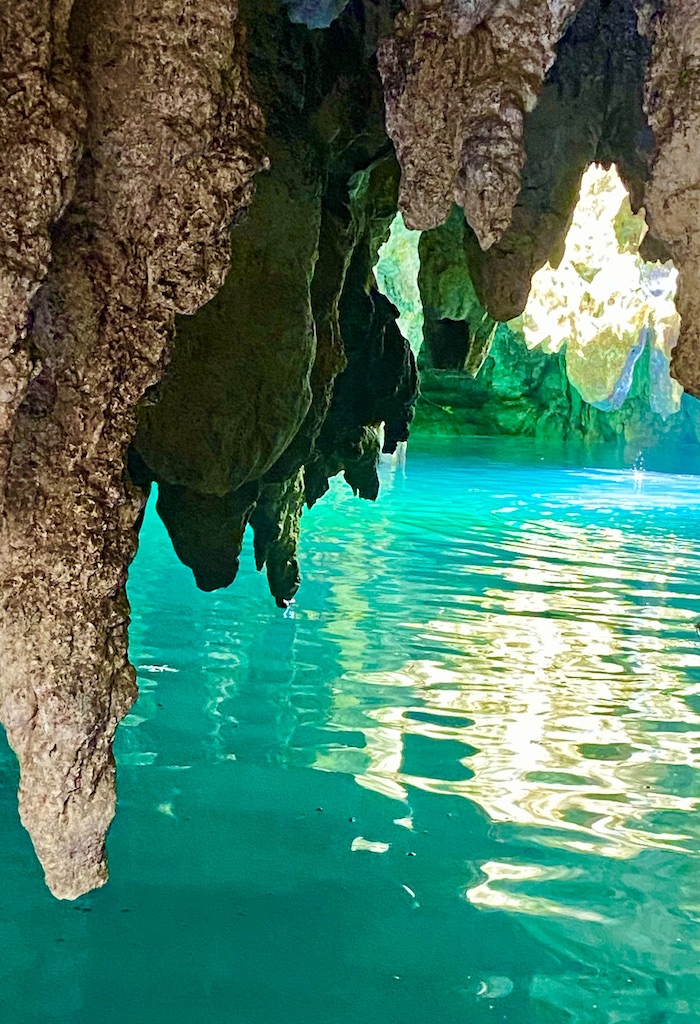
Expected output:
(589, 357)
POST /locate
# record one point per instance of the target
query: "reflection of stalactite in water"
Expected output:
(261, 704)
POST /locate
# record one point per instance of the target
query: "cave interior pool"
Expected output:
(457, 781)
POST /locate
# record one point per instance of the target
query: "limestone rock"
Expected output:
(527, 392)
(458, 80)
(589, 110)
(256, 368)
(276, 522)
(458, 330)
(130, 140)
(241, 366)
(42, 119)
(170, 151)
(673, 196)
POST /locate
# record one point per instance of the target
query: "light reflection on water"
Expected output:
(560, 675)
(476, 735)
(564, 661)
(521, 637)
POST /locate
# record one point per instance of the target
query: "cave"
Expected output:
(431, 753)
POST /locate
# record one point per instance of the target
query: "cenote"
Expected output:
(349, 512)
(456, 780)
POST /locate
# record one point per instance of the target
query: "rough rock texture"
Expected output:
(260, 334)
(256, 368)
(170, 151)
(458, 80)
(673, 196)
(590, 110)
(380, 382)
(41, 124)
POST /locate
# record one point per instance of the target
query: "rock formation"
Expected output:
(42, 117)
(458, 79)
(134, 188)
(590, 109)
(131, 134)
(587, 361)
(673, 197)
(257, 367)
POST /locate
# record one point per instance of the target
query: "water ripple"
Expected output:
(521, 639)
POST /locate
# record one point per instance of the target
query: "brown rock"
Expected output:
(170, 154)
(41, 124)
(590, 109)
(673, 196)
(456, 94)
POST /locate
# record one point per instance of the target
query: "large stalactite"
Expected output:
(131, 134)
(266, 368)
(169, 150)
(590, 110)
(459, 79)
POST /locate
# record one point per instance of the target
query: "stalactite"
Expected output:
(170, 151)
(458, 81)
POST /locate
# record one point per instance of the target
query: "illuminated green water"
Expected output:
(456, 783)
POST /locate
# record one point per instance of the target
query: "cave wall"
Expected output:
(672, 101)
(522, 392)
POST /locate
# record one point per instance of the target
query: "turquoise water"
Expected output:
(456, 782)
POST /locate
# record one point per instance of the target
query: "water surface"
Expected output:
(456, 782)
